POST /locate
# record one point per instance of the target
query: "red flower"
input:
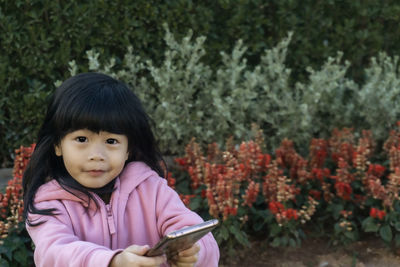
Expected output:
(264, 160)
(242, 167)
(260, 160)
(203, 193)
(376, 169)
(233, 211)
(344, 190)
(381, 214)
(181, 161)
(251, 194)
(376, 213)
(315, 194)
(359, 198)
(373, 212)
(275, 207)
(186, 198)
(320, 174)
(291, 214)
(171, 181)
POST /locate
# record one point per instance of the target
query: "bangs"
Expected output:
(97, 109)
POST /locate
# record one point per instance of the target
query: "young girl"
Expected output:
(92, 190)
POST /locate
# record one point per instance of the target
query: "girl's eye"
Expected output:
(81, 139)
(112, 141)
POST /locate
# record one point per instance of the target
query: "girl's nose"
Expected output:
(96, 154)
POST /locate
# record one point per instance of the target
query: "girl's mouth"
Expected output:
(95, 173)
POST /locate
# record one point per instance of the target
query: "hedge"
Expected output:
(39, 37)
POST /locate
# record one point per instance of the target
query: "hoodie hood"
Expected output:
(133, 174)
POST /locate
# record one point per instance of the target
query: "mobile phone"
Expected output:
(181, 239)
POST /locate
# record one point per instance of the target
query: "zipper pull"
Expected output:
(110, 220)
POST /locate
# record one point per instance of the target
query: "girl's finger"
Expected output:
(150, 261)
(190, 259)
(190, 251)
(138, 250)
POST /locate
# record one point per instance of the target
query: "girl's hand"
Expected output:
(185, 258)
(133, 256)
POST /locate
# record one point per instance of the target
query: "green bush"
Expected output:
(380, 94)
(39, 37)
(187, 98)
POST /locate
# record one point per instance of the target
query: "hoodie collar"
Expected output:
(133, 175)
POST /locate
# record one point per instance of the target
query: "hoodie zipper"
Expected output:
(109, 215)
(110, 219)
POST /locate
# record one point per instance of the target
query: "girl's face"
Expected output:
(93, 159)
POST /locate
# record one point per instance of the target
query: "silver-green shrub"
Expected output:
(187, 98)
(326, 101)
(379, 97)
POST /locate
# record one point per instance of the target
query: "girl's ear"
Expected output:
(58, 150)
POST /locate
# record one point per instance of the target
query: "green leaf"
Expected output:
(195, 203)
(351, 235)
(370, 226)
(258, 226)
(224, 232)
(301, 235)
(240, 236)
(8, 251)
(21, 256)
(292, 242)
(397, 240)
(397, 206)
(276, 242)
(386, 233)
(3, 263)
(369, 202)
(337, 228)
(336, 209)
(275, 229)
(397, 226)
(284, 240)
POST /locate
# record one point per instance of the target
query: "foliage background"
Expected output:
(297, 68)
(39, 37)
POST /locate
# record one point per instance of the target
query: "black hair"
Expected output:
(96, 102)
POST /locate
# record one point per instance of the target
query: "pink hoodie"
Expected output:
(142, 209)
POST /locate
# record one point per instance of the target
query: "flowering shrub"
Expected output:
(249, 191)
(279, 197)
(15, 244)
(11, 203)
(337, 184)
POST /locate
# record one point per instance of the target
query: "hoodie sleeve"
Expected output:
(56, 244)
(172, 215)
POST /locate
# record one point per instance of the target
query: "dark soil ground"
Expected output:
(315, 252)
